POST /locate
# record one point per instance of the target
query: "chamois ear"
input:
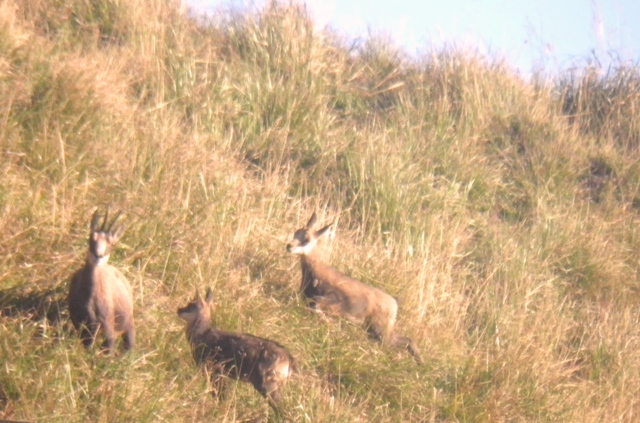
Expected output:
(209, 296)
(320, 232)
(103, 228)
(312, 221)
(115, 235)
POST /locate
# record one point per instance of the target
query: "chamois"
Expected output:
(100, 296)
(331, 291)
(263, 363)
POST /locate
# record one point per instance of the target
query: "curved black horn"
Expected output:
(113, 222)
(106, 217)
(209, 295)
(95, 219)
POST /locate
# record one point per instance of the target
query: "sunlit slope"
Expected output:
(503, 214)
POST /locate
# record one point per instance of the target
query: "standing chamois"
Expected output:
(100, 296)
(331, 291)
(263, 363)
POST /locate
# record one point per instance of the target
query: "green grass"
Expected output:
(502, 212)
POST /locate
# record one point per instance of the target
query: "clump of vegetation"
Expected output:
(502, 212)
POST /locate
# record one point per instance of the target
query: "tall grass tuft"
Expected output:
(503, 213)
(600, 102)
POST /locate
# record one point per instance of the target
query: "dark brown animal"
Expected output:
(263, 363)
(100, 298)
(331, 291)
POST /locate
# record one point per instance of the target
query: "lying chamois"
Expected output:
(330, 291)
(100, 296)
(263, 363)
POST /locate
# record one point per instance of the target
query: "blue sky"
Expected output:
(554, 34)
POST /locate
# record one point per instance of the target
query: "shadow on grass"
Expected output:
(35, 302)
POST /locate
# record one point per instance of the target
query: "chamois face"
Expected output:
(197, 309)
(100, 245)
(302, 243)
(103, 238)
(305, 239)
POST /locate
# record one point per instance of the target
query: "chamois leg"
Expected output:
(327, 303)
(331, 305)
(404, 342)
(87, 335)
(128, 338)
(268, 387)
(109, 338)
(374, 331)
(270, 392)
(324, 305)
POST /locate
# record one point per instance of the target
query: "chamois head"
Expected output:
(102, 238)
(198, 309)
(304, 239)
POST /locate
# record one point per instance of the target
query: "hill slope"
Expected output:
(503, 213)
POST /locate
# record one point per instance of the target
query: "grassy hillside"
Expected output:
(504, 213)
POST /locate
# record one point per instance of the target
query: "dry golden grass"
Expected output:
(503, 213)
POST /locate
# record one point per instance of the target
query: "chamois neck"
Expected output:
(312, 267)
(197, 327)
(313, 263)
(310, 259)
(96, 261)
